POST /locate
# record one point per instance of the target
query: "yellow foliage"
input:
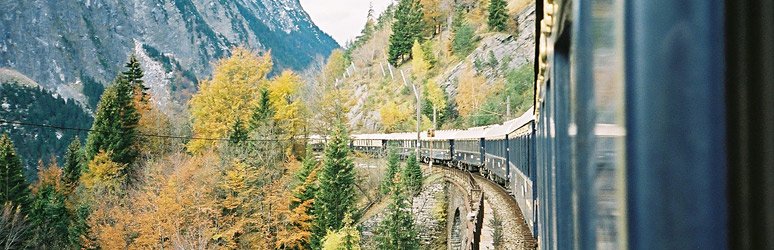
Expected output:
(435, 95)
(103, 175)
(433, 14)
(230, 94)
(283, 92)
(153, 121)
(338, 240)
(393, 115)
(335, 67)
(332, 96)
(174, 208)
(471, 91)
(419, 64)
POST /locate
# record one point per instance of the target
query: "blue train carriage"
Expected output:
(469, 149)
(370, 144)
(438, 146)
(403, 143)
(521, 162)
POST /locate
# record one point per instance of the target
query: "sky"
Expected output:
(342, 19)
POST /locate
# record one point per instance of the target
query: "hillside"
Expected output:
(59, 44)
(24, 101)
(477, 78)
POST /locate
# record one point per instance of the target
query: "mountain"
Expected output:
(60, 43)
(23, 101)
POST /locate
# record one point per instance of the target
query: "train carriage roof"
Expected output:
(510, 126)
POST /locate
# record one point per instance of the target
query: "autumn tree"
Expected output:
(115, 125)
(406, 29)
(336, 195)
(347, 238)
(397, 230)
(436, 98)
(73, 163)
(411, 176)
(498, 15)
(231, 93)
(283, 95)
(419, 65)
(14, 187)
(433, 16)
(332, 97)
(471, 90)
(393, 168)
(393, 116)
(103, 176)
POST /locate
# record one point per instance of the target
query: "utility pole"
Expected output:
(419, 115)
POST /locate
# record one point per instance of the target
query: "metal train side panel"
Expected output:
(676, 137)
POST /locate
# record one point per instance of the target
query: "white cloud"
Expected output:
(342, 19)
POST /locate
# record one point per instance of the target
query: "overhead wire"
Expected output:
(20, 123)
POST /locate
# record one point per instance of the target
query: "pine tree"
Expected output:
(133, 75)
(336, 194)
(306, 177)
(115, 125)
(74, 163)
(238, 133)
(498, 15)
(462, 41)
(13, 186)
(393, 165)
(48, 215)
(397, 230)
(407, 28)
(263, 114)
(412, 175)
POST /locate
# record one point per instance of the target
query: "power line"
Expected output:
(2, 121)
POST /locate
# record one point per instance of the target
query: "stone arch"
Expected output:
(456, 235)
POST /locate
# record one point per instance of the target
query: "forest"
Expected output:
(238, 174)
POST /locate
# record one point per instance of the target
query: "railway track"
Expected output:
(516, 233)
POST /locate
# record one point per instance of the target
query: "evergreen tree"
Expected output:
(463, 40)
(13, 186)
(498, 15)
(48, 215)
(238, 133)
(115, 125)
(74, 163)
(133, 75)
(262, 116)
(397, 230)
(336, 194)
(412, 175)
(393, 165)
(307, 177)
(406, 29)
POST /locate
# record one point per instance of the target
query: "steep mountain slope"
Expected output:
(60, 42)
(498, 67)
(24, 101)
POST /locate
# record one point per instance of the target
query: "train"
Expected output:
(650, 128)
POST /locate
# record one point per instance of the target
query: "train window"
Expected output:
(597, 127)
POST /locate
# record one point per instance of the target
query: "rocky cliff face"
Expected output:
(59, 42)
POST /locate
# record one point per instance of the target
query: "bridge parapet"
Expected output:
(471, 207)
